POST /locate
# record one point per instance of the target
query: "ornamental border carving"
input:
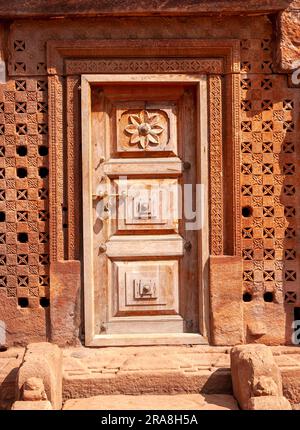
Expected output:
(216, 209)
(64, 132)
(151, 65)
(80, 51)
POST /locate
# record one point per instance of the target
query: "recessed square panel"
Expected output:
(145, 287)
(145, 127)
(147, 204)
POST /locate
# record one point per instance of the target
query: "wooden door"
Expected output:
(143, 175)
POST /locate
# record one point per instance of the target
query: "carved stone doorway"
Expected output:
(85, 80)
(145, 212)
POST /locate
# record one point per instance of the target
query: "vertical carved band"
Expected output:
(236, 102)
(216, 165)
(73, 163)
(55, 84)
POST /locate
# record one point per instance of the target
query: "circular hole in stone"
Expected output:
(43, 150)
(247, 297)
(22, 151)
(44, 302)
(247, 211)
(22, 237)
(23, 302)
(268, 296)
(21, 172)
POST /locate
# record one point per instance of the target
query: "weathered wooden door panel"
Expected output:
(144, 258)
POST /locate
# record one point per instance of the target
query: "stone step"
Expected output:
(154, 402)
(163, 370)
(146, 370)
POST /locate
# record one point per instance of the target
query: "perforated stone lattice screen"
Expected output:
(24, 179)
(24, 172)
(269, 178)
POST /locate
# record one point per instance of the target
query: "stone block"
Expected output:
(44, 405)
(154, 402)
(42, 361)
(89, 8)
(267, 403)
(65, 302)
(22, 324)
(265, 323)
(288, 49)
(291, 383)
(254, 373)
(10, 361)
(226, 300)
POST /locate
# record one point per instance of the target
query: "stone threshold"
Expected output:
(162, 370)
(150, 370)
(154, 402)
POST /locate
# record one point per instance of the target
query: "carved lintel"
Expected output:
(142, 65)
(213, 56)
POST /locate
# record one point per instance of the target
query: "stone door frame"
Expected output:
(91, 338)
(67, 60)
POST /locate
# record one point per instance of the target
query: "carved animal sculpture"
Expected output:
(34, 390)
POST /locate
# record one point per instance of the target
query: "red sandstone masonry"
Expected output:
(24, 268)
(226, 310)
(44, 362)
(35, 8)
(65, 302)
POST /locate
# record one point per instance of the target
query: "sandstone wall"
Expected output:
(269, 175)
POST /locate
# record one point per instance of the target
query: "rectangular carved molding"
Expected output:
(216, 165)
(138, 52)
(152, 65)
(225, 52)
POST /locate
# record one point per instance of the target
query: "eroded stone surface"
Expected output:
(43, 405)
(34, 390)
(288, 49)
(268, 403)
(135, 370)
(42, 361)
(255, 374)
(155, 402)
(10, 361)
(226, 309)
(130, 370)
(125, 7)
(89, 372)
(65, 303)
